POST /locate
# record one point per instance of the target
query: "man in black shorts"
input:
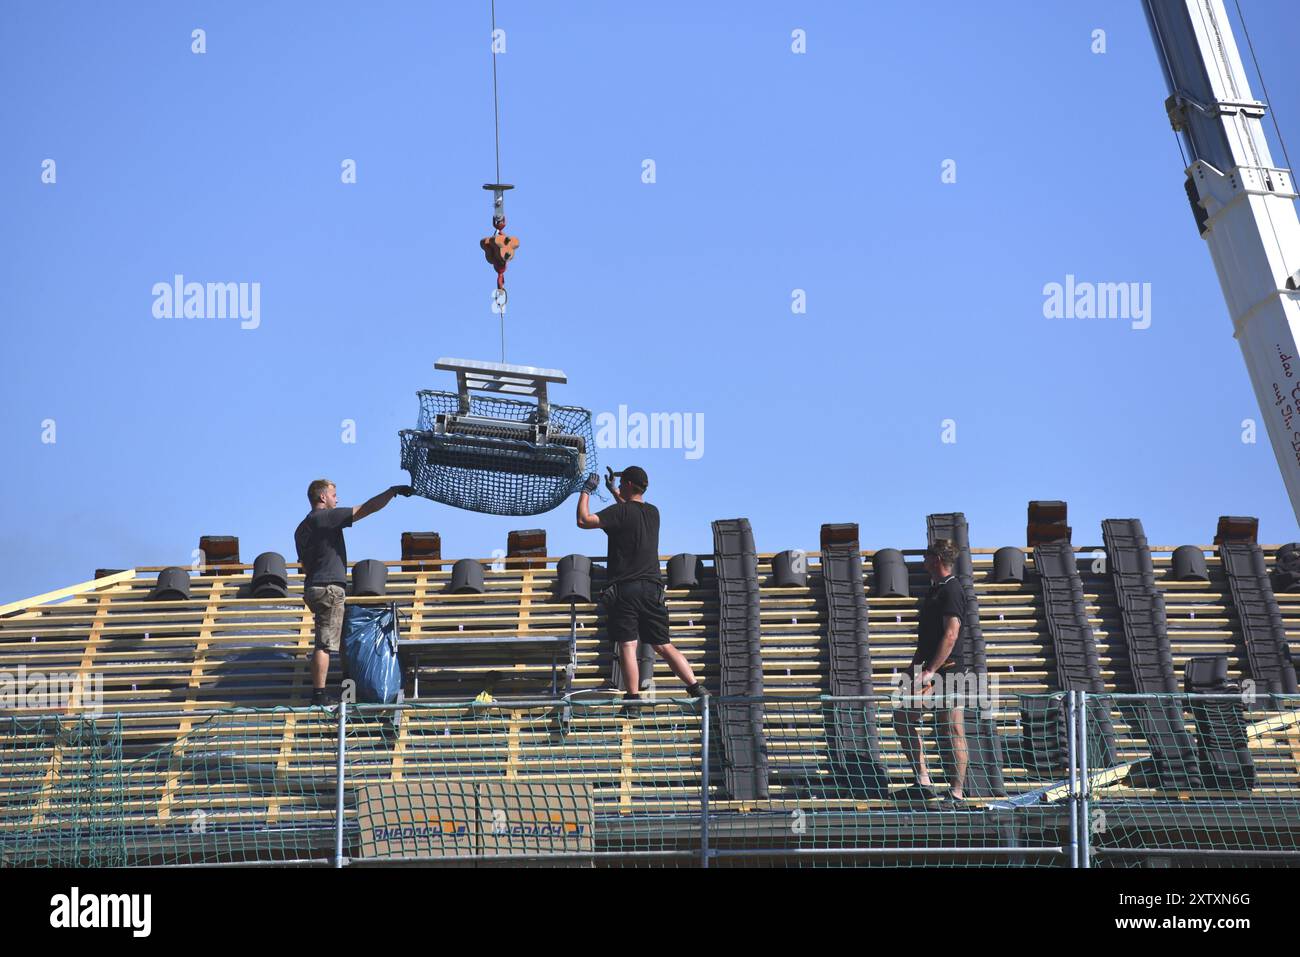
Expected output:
(938, 656)
(323, 555)
(634, 591)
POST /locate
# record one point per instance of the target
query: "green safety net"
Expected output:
(495, 470)
(62, 793)
(585, 782)
(1244, 807)
(564, 783)
(826, 805)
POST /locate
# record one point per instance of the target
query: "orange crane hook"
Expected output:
(499, 248)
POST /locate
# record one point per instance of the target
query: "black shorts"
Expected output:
(635, 610)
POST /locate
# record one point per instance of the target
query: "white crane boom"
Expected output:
(1244, 207)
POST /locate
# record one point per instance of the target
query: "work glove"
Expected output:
(592, 483)
(610, 475)
(403, 490)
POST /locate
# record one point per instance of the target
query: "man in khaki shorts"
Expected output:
(324, 558)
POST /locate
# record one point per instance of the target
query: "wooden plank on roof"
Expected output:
(398, 768)
(48, 782)
(53, 772)
(297, 692)
(626, 764)
(512, 746)
(191, 697)
(78, 589)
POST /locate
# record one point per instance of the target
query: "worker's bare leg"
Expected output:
(957, 735)
(627, 660)
(907, 723)
(320, 667)
(677, 662)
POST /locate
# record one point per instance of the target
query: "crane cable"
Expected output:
(1268, 100)
(1169, 73)
(1245, 29)
(496, 138)
(496, 113)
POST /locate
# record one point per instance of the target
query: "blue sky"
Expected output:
(774, 172)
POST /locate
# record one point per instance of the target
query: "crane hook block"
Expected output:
(499, 250)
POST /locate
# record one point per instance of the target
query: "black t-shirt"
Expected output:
(945, 599)
(321, 549)
(633, 530)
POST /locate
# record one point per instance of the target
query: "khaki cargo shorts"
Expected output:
(326, 603)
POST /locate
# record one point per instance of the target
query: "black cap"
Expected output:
(636, 475)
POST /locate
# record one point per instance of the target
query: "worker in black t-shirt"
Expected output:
(634, 592)
(939, 654)
(323, 555)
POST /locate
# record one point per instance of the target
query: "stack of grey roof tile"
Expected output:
(1267, 651)
(1173, 763)
(744, 748)
(1077, 665)
(851, 728)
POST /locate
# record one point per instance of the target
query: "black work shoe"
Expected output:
(697, 690)
(632, 705)
(324, 697)
(916, 794)
(950, 803)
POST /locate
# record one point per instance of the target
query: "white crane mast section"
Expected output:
(1246, 212)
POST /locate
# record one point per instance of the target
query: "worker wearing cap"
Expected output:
(633, 597)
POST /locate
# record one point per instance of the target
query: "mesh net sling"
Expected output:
(496, 454)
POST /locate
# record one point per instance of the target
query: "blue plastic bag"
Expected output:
(370, 652)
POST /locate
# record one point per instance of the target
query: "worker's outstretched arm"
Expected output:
(586, 518)
(373, 505)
